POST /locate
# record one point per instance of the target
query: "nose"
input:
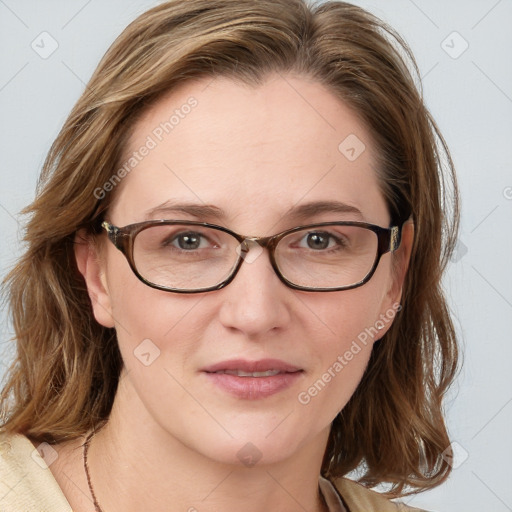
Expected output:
(256, 302)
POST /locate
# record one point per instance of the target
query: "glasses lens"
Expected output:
(184, 257)
(327, 256)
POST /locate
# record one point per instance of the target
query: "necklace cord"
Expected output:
(97, 507)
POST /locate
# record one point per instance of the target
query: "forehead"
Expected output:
(253, 152)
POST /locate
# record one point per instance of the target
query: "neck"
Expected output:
(153, 470)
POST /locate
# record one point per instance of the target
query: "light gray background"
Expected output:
(470, 95)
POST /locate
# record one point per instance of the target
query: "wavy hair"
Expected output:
(64, 377)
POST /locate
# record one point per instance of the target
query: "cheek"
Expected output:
(347, 315)
(149, 320)
(343, 327)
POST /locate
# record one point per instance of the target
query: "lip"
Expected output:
(260, 365)
(253, 388)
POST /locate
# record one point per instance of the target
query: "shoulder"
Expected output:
(26, 482)
(361, 499)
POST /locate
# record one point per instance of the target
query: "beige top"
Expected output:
(27, 485)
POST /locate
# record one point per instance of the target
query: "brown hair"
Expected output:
(65, 374)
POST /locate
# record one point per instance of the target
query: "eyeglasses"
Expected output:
(194, 257)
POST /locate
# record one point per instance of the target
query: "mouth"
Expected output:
(241, 373)
(253, 367)
(252, 380)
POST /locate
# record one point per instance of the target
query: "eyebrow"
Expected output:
(319, 207)
(207, 211)
(199, 211)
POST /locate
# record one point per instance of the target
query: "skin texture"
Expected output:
(173, 437)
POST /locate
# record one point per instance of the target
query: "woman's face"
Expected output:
(257, 161)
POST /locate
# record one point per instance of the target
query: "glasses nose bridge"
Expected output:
(265, 242)
(258, 244)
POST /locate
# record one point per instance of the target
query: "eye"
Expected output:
(318, 241)
(188, 241)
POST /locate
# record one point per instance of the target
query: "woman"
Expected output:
(231, 293)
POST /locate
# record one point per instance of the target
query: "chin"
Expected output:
(250, 453)
(262, 443)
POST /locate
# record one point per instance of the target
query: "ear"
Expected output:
(91, 266)
(400, 264)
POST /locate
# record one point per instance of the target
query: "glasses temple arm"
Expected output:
(395, 238)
